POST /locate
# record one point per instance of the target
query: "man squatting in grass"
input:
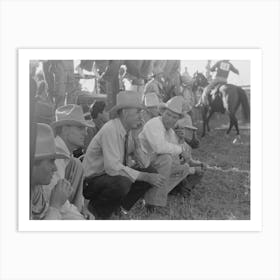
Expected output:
(111, 181)
(159, 140)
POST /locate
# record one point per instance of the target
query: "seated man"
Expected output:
(70, 131)
(110, 180)
(42, 207)
(159, 140)
(185, 133)
(222, 68)
(185, 130)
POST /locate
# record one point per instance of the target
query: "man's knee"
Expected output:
(163, 164)
(122, 186)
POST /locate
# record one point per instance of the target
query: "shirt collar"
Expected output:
(121, 128)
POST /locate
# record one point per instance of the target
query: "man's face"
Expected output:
(43, 171)
(154, 111)
(76, 135)
(132, 117)
(169, 119)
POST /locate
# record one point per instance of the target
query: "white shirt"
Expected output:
(105, 153)
(155, 139)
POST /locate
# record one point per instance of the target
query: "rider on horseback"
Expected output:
(222, 68)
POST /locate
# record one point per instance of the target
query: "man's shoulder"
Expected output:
(108, 125)
(153, 122)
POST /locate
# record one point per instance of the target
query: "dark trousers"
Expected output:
(107, 193)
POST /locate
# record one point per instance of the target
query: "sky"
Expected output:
(242, 65)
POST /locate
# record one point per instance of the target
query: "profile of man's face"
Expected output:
(76, 135)
(154, 111)
(132, 117)
(169, 118)
(43, 171)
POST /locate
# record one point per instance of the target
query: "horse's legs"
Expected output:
(208, 118)
(233, 121)
(204, 111)
(236, 124)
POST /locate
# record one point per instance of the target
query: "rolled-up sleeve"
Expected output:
(113, 155)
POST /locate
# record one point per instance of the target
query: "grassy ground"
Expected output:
(224, 192)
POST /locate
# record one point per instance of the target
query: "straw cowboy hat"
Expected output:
(185, 122)
(127, 99)
(45, 144)
(70, 114)
(151, 99)
(175, 104)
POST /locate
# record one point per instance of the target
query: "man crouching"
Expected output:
(111, 181)
(159, 140)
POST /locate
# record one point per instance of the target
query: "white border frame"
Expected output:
(254, 55)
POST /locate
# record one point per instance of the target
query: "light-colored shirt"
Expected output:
(155, 139)
(68, 210)
(105, 153)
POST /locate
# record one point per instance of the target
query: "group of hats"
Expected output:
(73, 115)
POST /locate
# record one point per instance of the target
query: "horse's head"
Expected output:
(199, 79)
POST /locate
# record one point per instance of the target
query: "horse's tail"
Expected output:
(245, 103)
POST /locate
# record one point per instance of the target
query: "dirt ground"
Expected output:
(224, 192)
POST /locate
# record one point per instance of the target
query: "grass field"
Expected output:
(224, 192)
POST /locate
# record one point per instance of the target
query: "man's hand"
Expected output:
(60, 193)
(198, 170)
(186, 155)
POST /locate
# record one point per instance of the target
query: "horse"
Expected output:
(224, 98)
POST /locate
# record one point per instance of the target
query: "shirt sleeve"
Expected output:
(233, 69)
(112, 156)
(154, 134)
(213, 68)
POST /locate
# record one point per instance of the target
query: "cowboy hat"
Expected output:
(185, 122)
(45, 144)
(175, 104)
(127, 99)
(151, 99)
(70, 114)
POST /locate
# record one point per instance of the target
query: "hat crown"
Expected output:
(151, 99)
(70, 112)
(175, 104)
(45, 144)
(127, 99)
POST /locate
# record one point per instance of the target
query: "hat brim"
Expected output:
(70, 122)
(190, 127)
(165, 107)
(115, 109)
